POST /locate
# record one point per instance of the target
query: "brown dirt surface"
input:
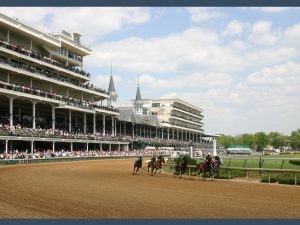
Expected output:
(107, 189)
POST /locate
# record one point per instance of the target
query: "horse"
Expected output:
(156, 165)
(181, 168)
(205, 167)
(137, 165)
(151, 163)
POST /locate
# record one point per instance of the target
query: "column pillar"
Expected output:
(116, 127)
(112, 126)
(84, 122)
(132, 130)
(33, 114)
(119, 147)
(173, 134)
(103, 124)
(168, 134)
(31, 147)
(155, 132)
(100, 146)
(178, 135)
(87, 147)
(94, 123)
(11, 111)
(70, 121)
(6, 146)
(71, 146)
(162, 134)
(53, 146)
(53, 117)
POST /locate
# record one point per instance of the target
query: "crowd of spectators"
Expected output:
(18, 130)
(49, 74)
(47, 154)
(24, 51)
(69, 100)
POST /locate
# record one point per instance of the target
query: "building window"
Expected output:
(155, 104)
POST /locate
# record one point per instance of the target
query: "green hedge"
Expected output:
(281, 179)
(295, 162)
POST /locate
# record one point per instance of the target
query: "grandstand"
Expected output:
(47, 101)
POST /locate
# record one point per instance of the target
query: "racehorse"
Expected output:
(207, 167)
(181, 168)
(156, 165)
(137, 165)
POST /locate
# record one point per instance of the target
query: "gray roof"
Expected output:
(138, 98)
(111, 88)
(128, 115)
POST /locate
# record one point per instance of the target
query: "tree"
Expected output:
(276, 139)
(295, 139)
(261, 140)
(248, 139)
(226, 140)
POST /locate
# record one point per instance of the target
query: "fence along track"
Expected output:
(247, 170)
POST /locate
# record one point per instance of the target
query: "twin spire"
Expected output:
(112, 91)
(138, 102)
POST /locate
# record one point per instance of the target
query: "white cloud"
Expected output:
(193, 49)
(262, 33)
(205, 14)
(235, 27)
(292, 33)
(188, 81)
(268, 56)
(92, 22)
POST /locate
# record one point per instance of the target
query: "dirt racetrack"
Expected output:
(107, 189)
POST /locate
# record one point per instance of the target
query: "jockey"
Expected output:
(208, 161)
(218, 163)
(153, 159)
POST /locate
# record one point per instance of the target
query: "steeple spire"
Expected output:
(111, 90)
(138, 102)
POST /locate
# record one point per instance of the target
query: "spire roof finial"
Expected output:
(111, 87)
(138, 97)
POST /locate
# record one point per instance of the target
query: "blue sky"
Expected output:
(241, 65)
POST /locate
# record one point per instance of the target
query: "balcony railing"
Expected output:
(72, 101)
(183, 109)
(39, 56)
(185, 118)
(48, 74)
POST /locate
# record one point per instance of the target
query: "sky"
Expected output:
(240, 65)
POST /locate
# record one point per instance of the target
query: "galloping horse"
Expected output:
(137, 165)
(156, 165)
(181, 168)
(207, 167)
